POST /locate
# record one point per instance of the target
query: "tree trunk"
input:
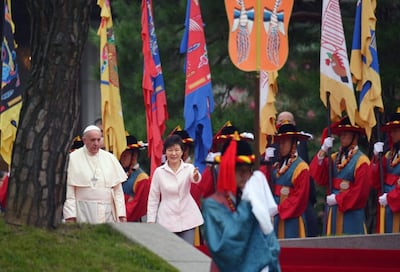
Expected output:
(50, 113)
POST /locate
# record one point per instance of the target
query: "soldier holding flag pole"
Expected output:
(336, 89)
(258, 41)
(346, 194)
(364, 66)
(346, 200)
(388, 216)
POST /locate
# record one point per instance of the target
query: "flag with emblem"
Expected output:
(258, 33)
(199, 101)
(11, 93)
(153, 88)
(335, 76)
(365, 66)
(112, 117)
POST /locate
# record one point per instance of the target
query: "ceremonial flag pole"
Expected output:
(365, 66)
(257, 120)
(336, 89)
(199, 101)
(11, 92)
(365, 71)
(335, 76)
(264, 48)
(112, 117)
(382, 209)
(378, 136)
(268, 91)
(153, 88)
(330, 166)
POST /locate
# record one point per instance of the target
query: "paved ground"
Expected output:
(166, 245)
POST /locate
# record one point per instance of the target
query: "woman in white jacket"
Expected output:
(170, 203)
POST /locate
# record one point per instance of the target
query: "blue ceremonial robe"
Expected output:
(129, 184)
(391, 218)
(235, 239)
(353, 221)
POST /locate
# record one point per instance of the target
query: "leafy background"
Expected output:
(298, 80)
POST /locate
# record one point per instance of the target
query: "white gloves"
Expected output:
(383, 199)
(273, 211)
(331, 200)
(247, 135)
(378, 148)
(269, 153)
(328, 143)
(211, 156)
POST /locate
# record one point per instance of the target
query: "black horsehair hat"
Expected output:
(226, 132)
(394, 121)
(287, 129)
(244, 153)
(186, 139)
(132, 143)
(344, 125)
(78, 143)
(237, 152)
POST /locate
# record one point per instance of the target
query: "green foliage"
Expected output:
(73, 248)
(388, 14)
(298, 80)
(240, 115)
(169, 26)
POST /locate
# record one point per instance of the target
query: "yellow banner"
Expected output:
(112, 117)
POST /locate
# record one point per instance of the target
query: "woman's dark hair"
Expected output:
(172, 140)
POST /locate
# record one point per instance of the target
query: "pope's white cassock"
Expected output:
(94, 187)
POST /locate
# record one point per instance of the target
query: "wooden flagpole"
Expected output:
(382, 209)
(257, 121)
(378, 136)
(328, 114)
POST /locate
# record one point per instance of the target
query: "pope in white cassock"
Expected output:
(94, 183)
